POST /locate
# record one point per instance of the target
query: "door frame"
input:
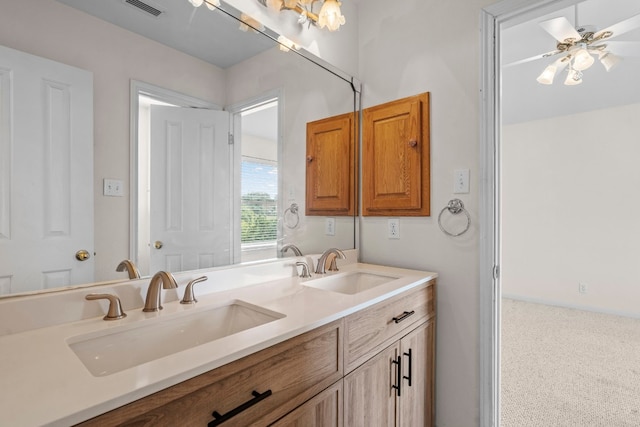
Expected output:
(235, 111)
(493, 17)
(138, 88)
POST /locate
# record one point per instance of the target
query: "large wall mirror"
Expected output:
(115, 141)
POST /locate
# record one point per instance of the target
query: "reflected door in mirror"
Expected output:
(191, 189)
(46, 174)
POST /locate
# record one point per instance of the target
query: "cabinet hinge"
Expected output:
(496, 272)
(230, 138)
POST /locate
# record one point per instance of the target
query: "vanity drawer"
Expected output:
(372, 329)
(258, 389)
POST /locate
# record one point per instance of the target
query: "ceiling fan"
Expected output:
(578, 46)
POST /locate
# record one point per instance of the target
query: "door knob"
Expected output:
(158, 244)
(82, 255)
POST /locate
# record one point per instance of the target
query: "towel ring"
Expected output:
(293, 210)
(454, 206)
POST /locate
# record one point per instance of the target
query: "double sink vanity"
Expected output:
(261, 346)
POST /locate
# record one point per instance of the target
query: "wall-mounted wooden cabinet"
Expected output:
(395, 161)
(331, 166)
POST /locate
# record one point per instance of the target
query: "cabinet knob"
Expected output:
(309, 159)
(413, 143)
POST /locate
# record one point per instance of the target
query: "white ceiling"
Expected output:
(524, 99)
(200, 32)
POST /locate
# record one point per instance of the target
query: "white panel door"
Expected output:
(46, 174)
(190, 195)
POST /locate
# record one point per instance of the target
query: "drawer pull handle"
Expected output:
(408, 377)
(257, 397)
(404, 316)
(398, 385)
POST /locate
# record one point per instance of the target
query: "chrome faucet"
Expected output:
(322, 261)
(293, 248)
(153, 303)
(128, 265)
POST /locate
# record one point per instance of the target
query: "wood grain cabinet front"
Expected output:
(256, 390)
(370, 330)
(395, 387)
(331, 166)
(395, 158)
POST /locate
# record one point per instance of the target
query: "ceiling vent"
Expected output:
(145, 7)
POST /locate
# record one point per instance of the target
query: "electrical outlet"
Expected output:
(583, 288)
(330, 226)
(393, 228)
(461, 181)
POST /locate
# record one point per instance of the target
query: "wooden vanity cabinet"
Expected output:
(390, 361)
(396, 158)
(261, 388)
(331, 166)
(374, 367)
(395, 387)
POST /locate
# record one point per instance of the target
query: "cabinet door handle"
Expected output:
(398, 385)
(219, 419)
(408, 377)
(403, 316)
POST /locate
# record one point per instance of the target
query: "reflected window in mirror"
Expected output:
(259, 181)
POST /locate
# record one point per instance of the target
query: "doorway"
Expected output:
(568, 184)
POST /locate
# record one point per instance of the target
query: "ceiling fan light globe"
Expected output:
(609, 60)
(582, 60)
(196, 3)
(546, 78)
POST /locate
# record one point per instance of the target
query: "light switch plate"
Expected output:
(113, 187)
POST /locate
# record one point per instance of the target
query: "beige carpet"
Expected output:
(565, 367)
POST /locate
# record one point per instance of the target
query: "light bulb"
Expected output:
(574, 77)
(285, 44)
(609, 60)
(546, 78)
(196, 3)
(211, 4)
(582, 60)
(330, 15)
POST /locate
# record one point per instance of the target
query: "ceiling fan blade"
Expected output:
(621, 27)
(620, 48)
(561, 29)
(533, 58)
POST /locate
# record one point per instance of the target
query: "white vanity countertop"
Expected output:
(44, 383)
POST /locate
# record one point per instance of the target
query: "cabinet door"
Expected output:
(369, 396)
(395, 179)
(415, 406)
(331, 166)
(324, 410)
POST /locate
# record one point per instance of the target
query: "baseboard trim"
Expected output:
(573, 306)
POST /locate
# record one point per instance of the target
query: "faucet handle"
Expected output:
(305, 269)
(189, 296)
(115, 308)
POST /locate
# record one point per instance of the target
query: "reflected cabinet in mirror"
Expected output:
(171, 138)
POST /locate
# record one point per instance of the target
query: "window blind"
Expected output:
(259, 190)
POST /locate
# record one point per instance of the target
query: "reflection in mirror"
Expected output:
(124, 53)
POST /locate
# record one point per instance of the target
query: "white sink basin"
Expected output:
(351, 282)
(128, 347)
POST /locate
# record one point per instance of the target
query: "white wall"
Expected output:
(570, 189)
(52, 30)
(411, 47)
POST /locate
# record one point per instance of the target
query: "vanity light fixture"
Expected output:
(329, 15)
(211, 4)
